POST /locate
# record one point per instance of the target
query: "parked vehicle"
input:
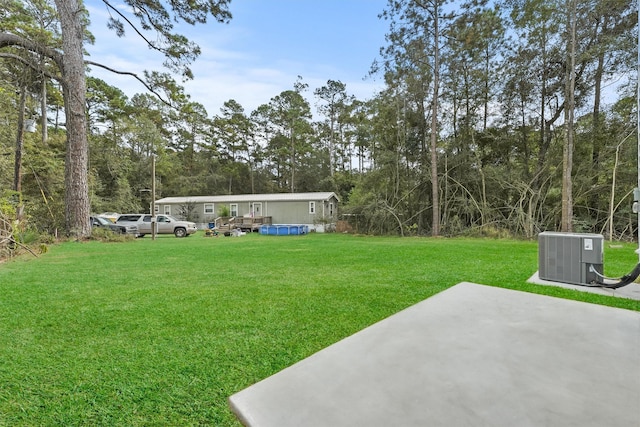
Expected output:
(98, 221)
(165, 224)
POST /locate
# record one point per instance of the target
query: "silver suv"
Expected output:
(165, 224)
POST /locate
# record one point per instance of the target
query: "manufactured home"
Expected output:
(318, 210)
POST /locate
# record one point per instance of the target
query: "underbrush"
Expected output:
(105, 235)
(35, 243)
(488, 231)
(25, 242)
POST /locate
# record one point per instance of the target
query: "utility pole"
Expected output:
(153, 197)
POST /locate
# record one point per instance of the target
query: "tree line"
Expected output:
(497, 118)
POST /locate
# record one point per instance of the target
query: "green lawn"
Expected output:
(162, 332)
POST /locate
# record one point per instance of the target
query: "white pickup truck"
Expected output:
(165, 224)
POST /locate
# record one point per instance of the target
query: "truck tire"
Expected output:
(180, 232)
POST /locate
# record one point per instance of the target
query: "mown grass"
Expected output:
(163, 332)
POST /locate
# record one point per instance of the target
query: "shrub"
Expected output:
(106, 235)
(223, 211)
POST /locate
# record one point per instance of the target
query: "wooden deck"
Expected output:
(246, 224)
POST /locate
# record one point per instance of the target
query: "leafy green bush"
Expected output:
(223, 210)
(27, 237)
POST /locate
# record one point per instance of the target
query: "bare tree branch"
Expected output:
(128, 21)
(8, 40)
(134, 75)
(30, 64)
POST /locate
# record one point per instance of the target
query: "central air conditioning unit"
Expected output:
(575, 258)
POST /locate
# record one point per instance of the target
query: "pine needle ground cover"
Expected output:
(162, 332)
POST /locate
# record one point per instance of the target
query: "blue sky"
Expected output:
(260, 53)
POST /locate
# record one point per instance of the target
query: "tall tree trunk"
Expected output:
(293, 164)
(43, 112)
(566, 223)
(485, 90)
(597, 142)
(77, 207)
(332, 144)
(17, 168)
(544, 136)
(435, 190)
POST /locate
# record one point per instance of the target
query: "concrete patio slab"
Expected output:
(631, 291)
(472, 355)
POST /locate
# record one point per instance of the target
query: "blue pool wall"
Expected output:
(284, 229)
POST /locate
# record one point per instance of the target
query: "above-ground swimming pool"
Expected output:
(283, 229)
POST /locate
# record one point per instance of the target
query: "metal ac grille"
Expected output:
(567, 257)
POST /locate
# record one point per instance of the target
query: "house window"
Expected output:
(167, 209)
(208, 209)
(233, 209)
(156, 209)
(331, 209)
(312, 207)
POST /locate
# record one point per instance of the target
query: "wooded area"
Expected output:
(499, 118)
